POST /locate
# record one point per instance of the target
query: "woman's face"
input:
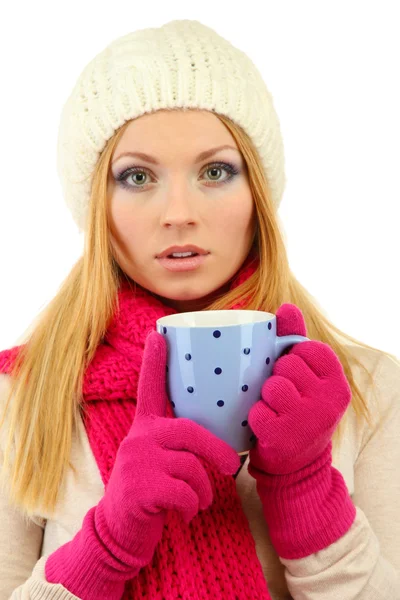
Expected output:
(179, 199)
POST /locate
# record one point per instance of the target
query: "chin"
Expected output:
(187, 297)
(183, 296)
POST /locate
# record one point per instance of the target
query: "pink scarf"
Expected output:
(213, 556)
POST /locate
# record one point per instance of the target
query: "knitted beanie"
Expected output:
(181, 64)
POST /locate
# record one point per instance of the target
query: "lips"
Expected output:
(190, 263)
(174, 257)
(187, 248)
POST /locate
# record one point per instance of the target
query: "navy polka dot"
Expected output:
(253, 438)
(218, 371)
(220, 403)
(246, 350)
(188, 356)
(268, 360)
(164, 330)
(269, 325)
(190, 390)
(217, 333)
(244, 423)
(245, 388)
(173, 404)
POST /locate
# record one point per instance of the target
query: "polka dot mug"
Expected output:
(217, 363)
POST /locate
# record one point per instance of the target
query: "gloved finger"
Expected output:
(280, 395)
(320, 357)
(270, 427)
(152, 394)
(187, 467)
(293, 368)
(290, 320)
(260, 418)
(174, 494)
(185, 434)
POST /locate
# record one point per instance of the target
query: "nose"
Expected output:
(179, 210)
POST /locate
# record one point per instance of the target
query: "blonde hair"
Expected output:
(47, 377)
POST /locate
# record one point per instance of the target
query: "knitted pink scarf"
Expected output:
(214, 555)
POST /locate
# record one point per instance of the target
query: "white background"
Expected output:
(333, 70)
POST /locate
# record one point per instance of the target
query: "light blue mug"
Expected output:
(217, 363)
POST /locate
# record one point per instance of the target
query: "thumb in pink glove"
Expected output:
(305, 500)
(156, 469)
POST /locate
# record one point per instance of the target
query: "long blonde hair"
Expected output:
(47, 377)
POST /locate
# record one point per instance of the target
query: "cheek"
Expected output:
(125, 239)
(119, 214)
(128, 226)
(238, 219)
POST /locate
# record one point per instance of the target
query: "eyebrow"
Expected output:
(202, 156)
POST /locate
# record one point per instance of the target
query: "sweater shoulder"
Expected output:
(380, 392)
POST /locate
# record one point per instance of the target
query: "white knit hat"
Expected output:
(182, 63)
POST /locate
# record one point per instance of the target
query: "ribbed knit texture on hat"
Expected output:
(184, 63)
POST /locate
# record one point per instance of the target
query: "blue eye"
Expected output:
(122, 177)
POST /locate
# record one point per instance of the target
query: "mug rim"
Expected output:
(177, 320)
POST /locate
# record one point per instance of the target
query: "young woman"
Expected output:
(169, 143)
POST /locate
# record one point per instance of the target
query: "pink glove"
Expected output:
(156, 469)
(305, 500)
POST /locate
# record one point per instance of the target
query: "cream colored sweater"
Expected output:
(364, 564)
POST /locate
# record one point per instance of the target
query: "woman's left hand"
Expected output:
(301, 403)
(305, 500)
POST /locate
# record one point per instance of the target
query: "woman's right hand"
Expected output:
(156, 469)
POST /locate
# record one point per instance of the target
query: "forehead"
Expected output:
(198, 129)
